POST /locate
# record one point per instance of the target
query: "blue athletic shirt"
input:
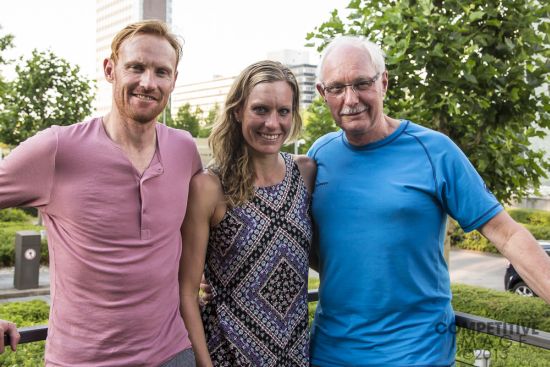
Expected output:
(380, 215)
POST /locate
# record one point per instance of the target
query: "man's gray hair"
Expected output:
(372, 49)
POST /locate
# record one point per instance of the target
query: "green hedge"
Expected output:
(25, 314)
(540, 232)
(7, 242)
(530, 216)
(14, 215)
(536, 221)
(503, 306)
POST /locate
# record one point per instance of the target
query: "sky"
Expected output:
(221, 37)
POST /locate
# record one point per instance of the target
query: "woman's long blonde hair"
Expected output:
(231, 157)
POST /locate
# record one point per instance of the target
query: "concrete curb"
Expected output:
(19, 293)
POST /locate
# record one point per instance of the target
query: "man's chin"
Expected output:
(144, 118)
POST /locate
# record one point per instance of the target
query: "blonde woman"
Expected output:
(249, 229)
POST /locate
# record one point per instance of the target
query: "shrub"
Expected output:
(14, 215)
(530, 216)
(7, 242)
(475, 241)
(540, 232)
(507, 307)
(25, 314)
(536, 221)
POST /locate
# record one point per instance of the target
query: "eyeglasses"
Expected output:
(337, 90)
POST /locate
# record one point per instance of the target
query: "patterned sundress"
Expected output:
(257, 265)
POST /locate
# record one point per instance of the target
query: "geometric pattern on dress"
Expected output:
(278, 325)
(257, 265)
(299, 351)
(228, 234)
(282, 287)
(231, 347)
(229, 252)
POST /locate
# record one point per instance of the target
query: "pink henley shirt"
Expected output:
(114, 241)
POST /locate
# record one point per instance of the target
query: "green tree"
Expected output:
(208, 122)
(6, 42)
(187, 119)
(470, 69)
(47, 91)
(318, 122)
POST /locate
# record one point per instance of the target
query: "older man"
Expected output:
(113, 193)
(383, 190)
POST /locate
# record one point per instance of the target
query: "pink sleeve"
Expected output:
(27, 173)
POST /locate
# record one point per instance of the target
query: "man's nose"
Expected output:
(147, 79)
(350, 95)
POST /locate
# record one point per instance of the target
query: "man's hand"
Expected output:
(205, 294)
(10, 329)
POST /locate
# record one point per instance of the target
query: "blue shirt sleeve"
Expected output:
(460, 189)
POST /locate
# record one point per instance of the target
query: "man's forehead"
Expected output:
(140, 46)
(346, 59)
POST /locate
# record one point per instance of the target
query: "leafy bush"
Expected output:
(536, 221)
(14, 215)
(7, 242)
(475, 241)
(530, 216)
(533, 313)
(540, 232)
(25, 314)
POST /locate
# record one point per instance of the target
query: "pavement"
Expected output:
(467, 267)
(478, 269)
(8, 293)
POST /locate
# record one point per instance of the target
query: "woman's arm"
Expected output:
(204, 196)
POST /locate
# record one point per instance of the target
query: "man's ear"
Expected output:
(321, 90)
(109, 70)
(385, 81)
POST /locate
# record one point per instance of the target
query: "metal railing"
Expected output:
(524, 335)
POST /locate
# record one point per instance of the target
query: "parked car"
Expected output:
(513, 281)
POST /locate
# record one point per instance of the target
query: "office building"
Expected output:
(208, 94)
(204, 95)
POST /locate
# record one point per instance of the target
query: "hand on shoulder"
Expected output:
(308, 170)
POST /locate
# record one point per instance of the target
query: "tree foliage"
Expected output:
(475, 70)
(166, 116)
(6, 42)
(47, 91)
(318, 122)
(188, 120)
(208, 122)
